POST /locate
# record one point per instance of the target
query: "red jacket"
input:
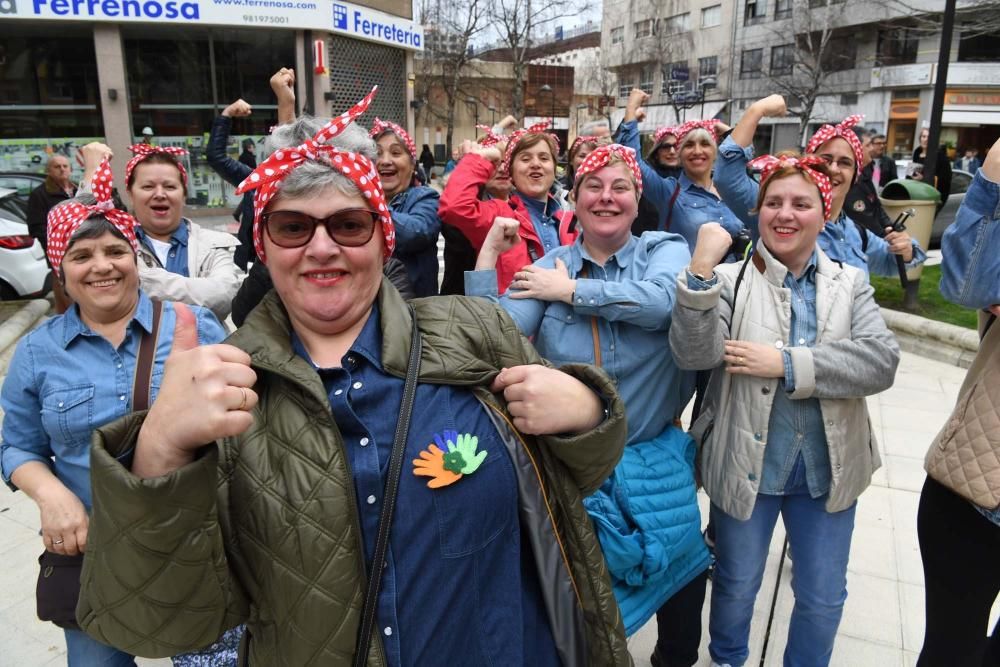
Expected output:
(461, 207)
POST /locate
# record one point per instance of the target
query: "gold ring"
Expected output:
(57, 541)
(743, 361)
(243, 403)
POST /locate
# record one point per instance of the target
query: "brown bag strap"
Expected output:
(594, 332)
(141, 384)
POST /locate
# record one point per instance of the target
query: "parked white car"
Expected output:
(23, 270)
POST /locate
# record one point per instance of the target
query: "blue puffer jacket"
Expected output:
(646, 517)
(415, 215)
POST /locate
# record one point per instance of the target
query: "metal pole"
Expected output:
(937, 105)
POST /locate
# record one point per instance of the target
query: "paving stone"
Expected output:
(905, 473)
(911, 610)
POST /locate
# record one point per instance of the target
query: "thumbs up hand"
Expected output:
(205, 395)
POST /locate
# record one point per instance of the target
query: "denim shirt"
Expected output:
(65, 380)
(630, 298)
(694, 205)
(543, 218)
(970, 270)
(455, 552)
(795, 428)
(177, 258)
(415, 216)
(840, 238)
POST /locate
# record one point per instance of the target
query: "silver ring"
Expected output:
(243, 403)
(57, 541)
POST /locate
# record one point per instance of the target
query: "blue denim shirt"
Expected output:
(415, 216)
(694, 205)
(65, 380)
(630, 298)
(840, 238)
(795, 428)
(543, 218)
(177, 258)
(457, 581)
(970, 247)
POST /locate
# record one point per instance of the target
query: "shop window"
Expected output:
(751, 64)
(896, 46)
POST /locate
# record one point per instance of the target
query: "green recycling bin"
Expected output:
(923, 198)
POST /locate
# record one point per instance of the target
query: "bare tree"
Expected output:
(446, 63)
(974, 17)
(517, 21)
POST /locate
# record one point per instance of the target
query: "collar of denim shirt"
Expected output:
(368, 344)
(179, 237)
(622, 256)
(74, 326)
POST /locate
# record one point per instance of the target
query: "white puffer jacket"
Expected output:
(855, 356)
(214, 277)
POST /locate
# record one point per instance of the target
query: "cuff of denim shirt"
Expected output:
(919, 256)
(697, 285)
(481, 283)
(730, 148)
(789, 371)
(983, 196)
(588, 296)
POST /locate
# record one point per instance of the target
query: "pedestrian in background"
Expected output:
(57, 188)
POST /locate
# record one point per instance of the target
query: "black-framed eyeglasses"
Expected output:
(669, 147)
(350, 227)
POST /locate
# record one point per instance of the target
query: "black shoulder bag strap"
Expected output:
(389, 500)
(670, 207)
(144, 362)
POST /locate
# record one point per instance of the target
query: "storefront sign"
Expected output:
(973, 74)
(346, 18)
(982, 98)
(901, 75)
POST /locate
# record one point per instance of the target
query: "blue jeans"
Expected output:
(82, 650)
(821, 543)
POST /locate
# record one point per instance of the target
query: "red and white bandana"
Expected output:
(65, 219)
(515, 139)
(844, 131)
(601, 156)
(664, 131)
(579, 141)
(143, 151)
(381, 126)
(768, 164)
(681, 130)
(267, 177)
(492, 138)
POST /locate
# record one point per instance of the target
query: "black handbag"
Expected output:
(58, 587)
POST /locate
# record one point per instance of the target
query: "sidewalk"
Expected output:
(883, 619)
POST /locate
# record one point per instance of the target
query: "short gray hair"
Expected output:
(698, 134)
(591, 125)
(313, 177)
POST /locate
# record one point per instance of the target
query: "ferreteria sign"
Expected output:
(339, 17)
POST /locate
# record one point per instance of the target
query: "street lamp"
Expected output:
(552, 116)
(475, 110)
(579, 107)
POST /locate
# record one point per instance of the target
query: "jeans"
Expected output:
(821, 542)
(82, 650)
(960, 549)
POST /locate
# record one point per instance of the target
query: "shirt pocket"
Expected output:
(564, 336)
(476, 509)
(68, 414)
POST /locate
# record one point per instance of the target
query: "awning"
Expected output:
(970, 117)
(660, 115)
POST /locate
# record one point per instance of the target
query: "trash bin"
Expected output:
(923, 198)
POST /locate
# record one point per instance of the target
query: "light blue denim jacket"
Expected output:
(65, 380)
(970, 272)
(631, 297)
(694, 205)
(840, 239)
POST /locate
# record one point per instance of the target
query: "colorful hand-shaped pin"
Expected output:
(447, 468)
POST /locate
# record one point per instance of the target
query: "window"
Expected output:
(783, 10)
(624, 89)
(896, 46)
(813, 4)
(617, 35)
(751, 64)
(708, 71)
(756, 12)
(646, 75)
(644, 28)
(840, 54)
(973, 46)
(678, 23)
(673, 73)
(849, 99)
(782, 59)
(711, 16)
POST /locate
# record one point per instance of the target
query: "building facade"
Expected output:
(73, 72)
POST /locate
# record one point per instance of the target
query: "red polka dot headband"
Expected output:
(768, 164)
(143, 151)
(844, 131)
(683, 129)
(515, 139)
(267, 177)
(664, 131)
(601, 157)
(492, 138)
(381, 127)
(65, 219)
(579, 141)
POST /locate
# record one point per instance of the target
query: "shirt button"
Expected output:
(357, 385)
(802, 341)
(388, 631)
(757, 436)
(371, 500)
(765, 390)
(122, 397)
(592, 302)
(752, 477)
(338, 392)
(119, 365)
(569, 318)
(612, 346)
(60, 404)
(364, 442)
(351, 361)
(778, 344)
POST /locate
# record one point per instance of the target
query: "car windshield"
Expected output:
(12, 208)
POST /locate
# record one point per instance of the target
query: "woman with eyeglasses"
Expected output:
(354, 476)
(841, 239)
